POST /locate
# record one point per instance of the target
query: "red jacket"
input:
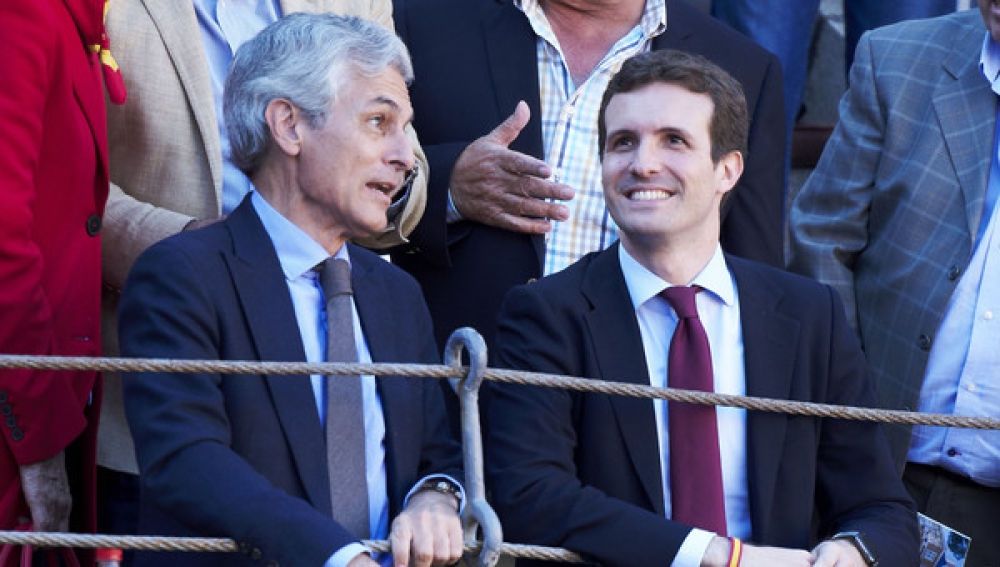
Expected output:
(53, 184)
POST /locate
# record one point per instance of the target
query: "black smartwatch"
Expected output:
(857, 539)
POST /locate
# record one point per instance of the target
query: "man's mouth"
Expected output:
(384, 187)
(646, 194)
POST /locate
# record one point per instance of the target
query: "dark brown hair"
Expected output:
(729, 123)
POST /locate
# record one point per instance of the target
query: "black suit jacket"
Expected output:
(245, 456)
(473, 60)
(583, 470)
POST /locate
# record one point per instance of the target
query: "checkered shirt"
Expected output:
(569, 130)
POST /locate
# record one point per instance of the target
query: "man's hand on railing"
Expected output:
(428, 532)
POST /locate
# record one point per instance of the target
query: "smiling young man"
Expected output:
(627, 481)
(297, 469)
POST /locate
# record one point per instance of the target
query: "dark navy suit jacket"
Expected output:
(583, 470)
(473, 60)
(245, 456)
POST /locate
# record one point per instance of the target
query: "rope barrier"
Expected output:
(495, 375)
(223, 545)
(487, 550)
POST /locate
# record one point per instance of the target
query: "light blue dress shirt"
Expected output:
(225, 26)
(719, 311)
(298, 254)
(962, 371)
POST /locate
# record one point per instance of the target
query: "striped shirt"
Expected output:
(569, 130)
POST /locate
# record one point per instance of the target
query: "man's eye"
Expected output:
(675, 140)
(622, 143)
(378, 120)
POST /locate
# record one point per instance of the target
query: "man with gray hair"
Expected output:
(297, 469)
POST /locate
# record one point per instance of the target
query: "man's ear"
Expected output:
(284, 120)
(728, 170)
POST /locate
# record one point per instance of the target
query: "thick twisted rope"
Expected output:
(495, 375)
(222, 545)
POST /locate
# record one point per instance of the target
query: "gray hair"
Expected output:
(294, 59)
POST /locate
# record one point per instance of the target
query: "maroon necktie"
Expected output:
(695, 468)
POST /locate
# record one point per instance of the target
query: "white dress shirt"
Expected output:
(719, 311)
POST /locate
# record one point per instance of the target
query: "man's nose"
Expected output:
(400, 151)
(646, 160)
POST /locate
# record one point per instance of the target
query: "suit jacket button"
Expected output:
(6, 409)
(3, 397)
(93, 225)
(11, 421)
(531, 280)
(924, 341)
(16, 434)
(256, 554)
(953, 273)
(244, 547)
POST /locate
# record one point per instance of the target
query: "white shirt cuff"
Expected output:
(345, 554)
(419, 483)
(693, 549)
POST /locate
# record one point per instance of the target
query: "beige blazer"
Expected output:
(166, 161)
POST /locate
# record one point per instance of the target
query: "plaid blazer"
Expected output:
(889, 215)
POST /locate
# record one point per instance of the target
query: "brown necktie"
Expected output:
(345, 426)
(696, 494)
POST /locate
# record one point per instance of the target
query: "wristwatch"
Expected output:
(443, 486)
(857, 539)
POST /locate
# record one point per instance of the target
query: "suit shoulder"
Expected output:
(939, 30)
(562, 285)
(434, 13)
(794, 286)
(389, 273)
(692, 20)
(197, 246)
(712, 38)
(926, 42)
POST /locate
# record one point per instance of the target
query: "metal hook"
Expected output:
(478, 512)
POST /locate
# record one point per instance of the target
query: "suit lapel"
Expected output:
(769, 336)
(617, 346)
(513, 59)
(178, 26)
(267, 306)
(400, 397)
(966, 111)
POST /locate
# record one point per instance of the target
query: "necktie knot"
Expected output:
(681, 298)
(334, 278)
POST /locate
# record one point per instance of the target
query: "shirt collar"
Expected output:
(643, 284)
(989, 62)
(297, 252)
(652, 23)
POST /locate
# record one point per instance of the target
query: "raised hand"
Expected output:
(495, 185)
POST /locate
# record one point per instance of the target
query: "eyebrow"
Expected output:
(659, 131)
(382, 99)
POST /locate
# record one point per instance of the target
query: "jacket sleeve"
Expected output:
(851, 450)
(829, 216)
